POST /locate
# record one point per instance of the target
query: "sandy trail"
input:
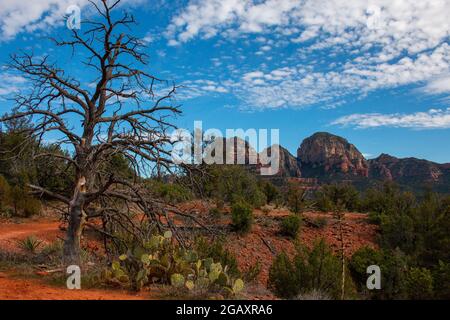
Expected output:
(14, 288)
(35, 289)
(10, 233)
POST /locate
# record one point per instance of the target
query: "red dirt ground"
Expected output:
(35, 289)
(248, 248)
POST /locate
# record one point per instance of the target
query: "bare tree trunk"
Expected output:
(77, 219)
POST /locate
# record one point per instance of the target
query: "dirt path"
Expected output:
(34, 289)
(14, 288)
(10, 232)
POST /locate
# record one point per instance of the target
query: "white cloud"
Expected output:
(431, 119)
(380, 44)
(439, 85)
(9, 84)
(30, 16)
(191, 89)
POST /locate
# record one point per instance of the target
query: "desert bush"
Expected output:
(360, 260)
(30, 244)
(4, 192)
(419, 284)
(441, 280)
(290, 225)
(217, 251)
(270, 191)
(311, 269)
(295, 197)
(284, 279)
(22, 203)
(337, 197)
(242, 216)
(170, 192)
(393, 265)
(230, 183)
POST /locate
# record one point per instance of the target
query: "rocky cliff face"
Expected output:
(288, 163)
(408, 170)
(325, 157)
(327, 154)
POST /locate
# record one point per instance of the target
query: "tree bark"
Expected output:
(77, 219)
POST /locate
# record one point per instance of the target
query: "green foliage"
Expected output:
(270, 191)
(216, 251)
(170, 192)
(290, 226)
(161, 259)
(283, 277)
(311, 269)
(242, 216)
(393, 265)
(295, 197)
(30, 244)
(419, 284)
(360, 260)
(22, 203)
(119, 166)
(52, 172)
(441, 277)
(334, 197)
(5, 190)
(230, 183)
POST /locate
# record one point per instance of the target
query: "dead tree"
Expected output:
(122, 113)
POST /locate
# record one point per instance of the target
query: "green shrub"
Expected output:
(441, 277)
(24, 204)
(170, 192)
(393, 265)
(419, 284)
(230, 183)
(311, 269)
(270, 191)
(360, 260)
(291, 225)
(295, 197)
(337, 197)
(5, 190)
(30, 244)
(283, 277)
(242, 216)
(216, 251)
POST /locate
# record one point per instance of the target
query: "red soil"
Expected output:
(261, 244)
(46, 230)
(251, 248)
(35, 289)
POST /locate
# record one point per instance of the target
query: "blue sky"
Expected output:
(375, 72)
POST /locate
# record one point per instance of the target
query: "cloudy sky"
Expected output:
(374, 71)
